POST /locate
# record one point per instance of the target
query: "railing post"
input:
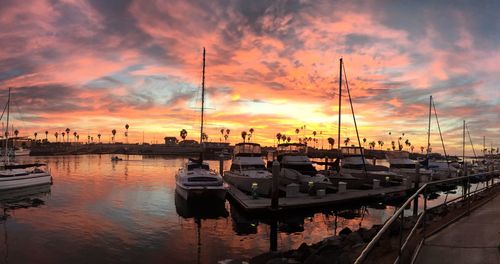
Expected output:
(221, 164)
(326, 164)
(275, 188)
(467, 192)
(425, 213)
(401, 235)
(417, 185)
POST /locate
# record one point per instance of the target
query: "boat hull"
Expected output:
(33, 179)
(201, 192)
(244, 183)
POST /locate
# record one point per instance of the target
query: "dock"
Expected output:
(303, 200)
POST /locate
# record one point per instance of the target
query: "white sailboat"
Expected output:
(195, 180)
(14, 176)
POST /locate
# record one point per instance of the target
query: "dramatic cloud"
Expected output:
(272, 65)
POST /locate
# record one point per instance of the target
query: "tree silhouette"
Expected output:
(74, 135)
(126, 132)
(278, 137)
(244, 135)
(63, 134)
(46, 135)
(99, 137)
(346, 141)
(36, 134)
(67, 133)
(283, 138)
(251, 133)
(297, 132)
(113, 132)
(422, 149)
(331, 141)
(183, 134)
(288, 139)
(364, 142)
(56, 135)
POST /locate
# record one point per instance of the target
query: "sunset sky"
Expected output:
(93, 66)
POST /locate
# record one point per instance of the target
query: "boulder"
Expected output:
(354, 238)
(263, 258)
(345, 231)
(303, 252)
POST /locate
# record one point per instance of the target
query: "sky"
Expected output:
(93, 66)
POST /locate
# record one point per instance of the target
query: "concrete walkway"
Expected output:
(472, 239)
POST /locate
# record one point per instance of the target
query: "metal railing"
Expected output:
(466, 196)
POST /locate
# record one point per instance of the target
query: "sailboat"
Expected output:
(13, 175)
(195, 180)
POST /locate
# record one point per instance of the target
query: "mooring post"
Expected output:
(221, 164)
(417, 185)
(326, 163)
(374, 161)
(275, 189)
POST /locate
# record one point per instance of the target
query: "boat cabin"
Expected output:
(197, 165)
(400, 160)
(247, 150)
(351, 151)
(291, 148)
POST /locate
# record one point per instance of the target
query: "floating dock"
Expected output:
(303, 200)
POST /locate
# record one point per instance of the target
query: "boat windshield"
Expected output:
(253, 167)
(247, 149)
(291, 148)
(351, 151)
(195, 165)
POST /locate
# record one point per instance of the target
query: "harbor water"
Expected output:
(99, 211)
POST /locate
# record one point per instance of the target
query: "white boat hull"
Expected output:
(200, 192)
(32, 179)
(264, 185)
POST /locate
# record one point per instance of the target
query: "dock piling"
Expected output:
(326, 163)
(275, 188)
(221, 164)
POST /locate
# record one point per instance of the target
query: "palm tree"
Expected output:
(283, 138)
(99, 137)
(126, 132)
(288, 139)
(204, 137)
(36, 134)
(62, 134)
(346, 141)
(251, 133)
(225, 137)
(331, 141)
(56, 135)
(314, 135)
(221, 134)
(46, 135)
(183, 134)
(77, 137)
(393, 145)
(74, 135)
(372, 144)
(113, 132)
(88, 139)
(411, 148)
(297, 132)
(278, 137)
(422, 149)
(244, 135)
(67, 133)
(364, 142)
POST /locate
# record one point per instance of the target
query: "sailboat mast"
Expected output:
(429, 128)
(340, 106)
(463, 145)
(7, 130)
(202, 98)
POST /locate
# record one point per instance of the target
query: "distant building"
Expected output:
(188, 142)
(171, 141)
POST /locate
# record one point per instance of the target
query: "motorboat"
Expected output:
(195, 180)
(296, 167)
(116, 158)
(401, 163)
(441, 169)
(354, 163)
(248, 171)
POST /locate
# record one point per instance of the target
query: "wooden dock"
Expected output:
(303, 200)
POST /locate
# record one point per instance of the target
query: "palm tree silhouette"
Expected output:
(244, 135)
(346, 141)
(251, 133)
(36, 134)
(56, 135)
(99, 137)
(126, 132)
(278, 137)
(183, 134)
(67, 133)
(364, 142)
(221, 134)
(283, 138)
(62, 134)
(314, 139)
(297, 132)
(288, 139)
(331, 141)
(74, 135)
(422, 149)
(113, 132)
(46, 135)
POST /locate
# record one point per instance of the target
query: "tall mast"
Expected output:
(472, 145)
(340, 107)
(429, 128)
(484, 147)
(463, 145)
(202, 98)
(7, 130)
(441, 136)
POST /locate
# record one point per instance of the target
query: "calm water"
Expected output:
(127, 212)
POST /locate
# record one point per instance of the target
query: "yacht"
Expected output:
(297, 168)
(441, 169)
(195, 179)
(354, 163)
(401, 163)
(248, 171)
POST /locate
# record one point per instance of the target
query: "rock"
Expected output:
(345, 231)
(315, 259)
(333, 241)
(354, 238)
(303, 252)
(277, 261)
(344, 258)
